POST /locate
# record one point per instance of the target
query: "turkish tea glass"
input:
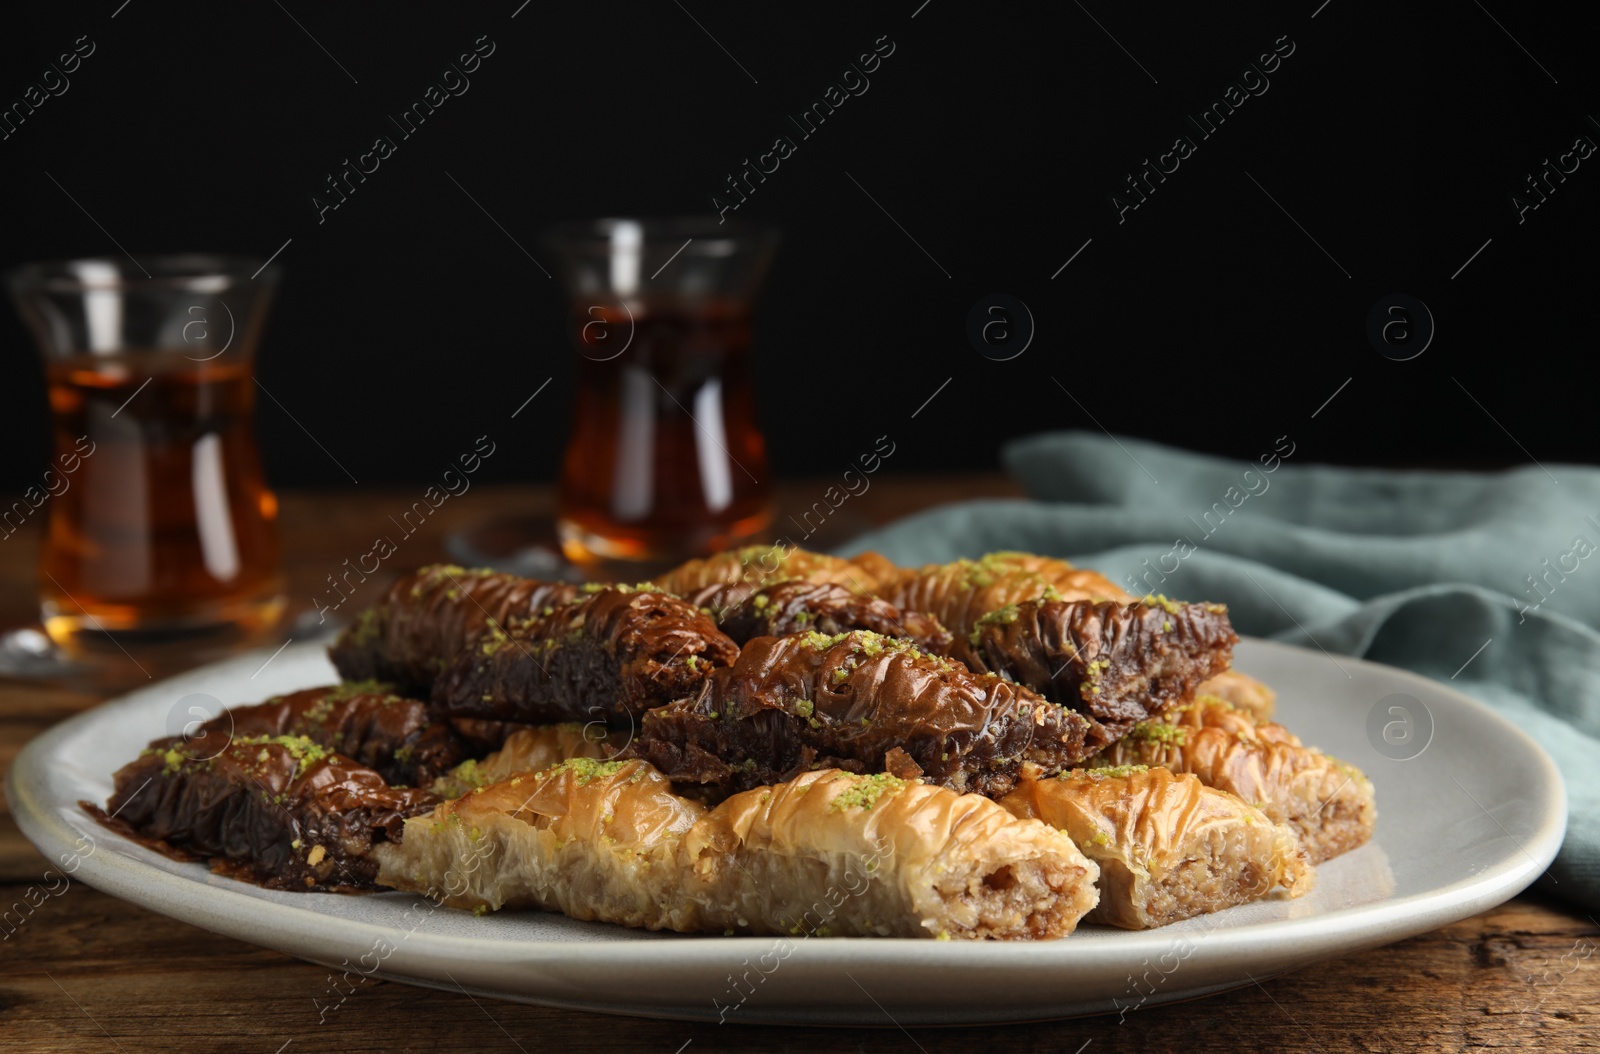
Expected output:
(159, 523)
(665, 459)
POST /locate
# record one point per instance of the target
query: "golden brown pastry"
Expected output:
(595, 840)
(1329, 803)
(958, 594)
(762, 565)
(1243, 691)
(879, 567)
(828, 853)
(936, 863)
(1168, 846)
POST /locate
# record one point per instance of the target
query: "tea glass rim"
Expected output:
(189, 272)
(705, 235)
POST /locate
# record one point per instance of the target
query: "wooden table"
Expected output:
(87, 972)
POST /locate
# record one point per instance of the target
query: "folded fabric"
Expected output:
(1411, 569)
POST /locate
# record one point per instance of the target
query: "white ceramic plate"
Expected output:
(1465, 824)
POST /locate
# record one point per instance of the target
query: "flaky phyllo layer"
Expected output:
(828, 852)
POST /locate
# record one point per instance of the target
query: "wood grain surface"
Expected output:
(87, 972)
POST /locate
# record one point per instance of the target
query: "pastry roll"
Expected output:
(881, 570)
(531, 750)
(611, 654)
(866, 703)
(277, 810)
(1168, 846)
(958, 594)
(759, 565)
(928, 862)
(430, 615)
(1329, 803)
(1243, 691)
(1121, 663)
(798, 606)
(830, 853)
(364, 722)
(594, 840)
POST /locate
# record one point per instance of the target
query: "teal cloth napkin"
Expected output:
(1411, 569)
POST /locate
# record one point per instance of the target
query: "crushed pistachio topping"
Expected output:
(367, 628)
(1159, 732)
(301, 748)
(1105, 772)
(347, 690)
(751, 554)
(431, 575)
(998, 617)
(1101, 838)
(1092, 672)
(586, 770)
(468, 772)
(822, 641)
(494, 639)
(864, 791)
(805, 708)
(1162, 601)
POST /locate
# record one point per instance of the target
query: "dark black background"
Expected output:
(408, 323)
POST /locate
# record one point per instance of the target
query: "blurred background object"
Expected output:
(159, 523)
(666, 459)
(416, 321)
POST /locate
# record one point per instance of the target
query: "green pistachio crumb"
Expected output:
(588, 769)
(864, 791)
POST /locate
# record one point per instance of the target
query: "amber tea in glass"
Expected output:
(666, 459)
(160, 525)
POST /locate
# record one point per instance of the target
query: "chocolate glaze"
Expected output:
(610, 655)
(1120, 663)
(807, 701)
(246, 809)
(370, 727)
(429, 616)
(745, 611)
